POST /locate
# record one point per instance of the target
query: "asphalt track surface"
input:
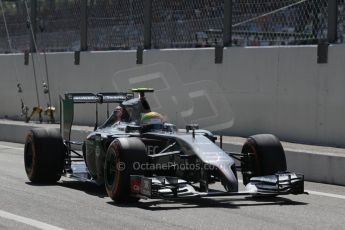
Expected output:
(76, 205)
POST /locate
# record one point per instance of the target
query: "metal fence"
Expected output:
(115, 24)
(341, 21)
(186, 23)
(57, 25)
(14, 13)
(71, 25)
(279, 22)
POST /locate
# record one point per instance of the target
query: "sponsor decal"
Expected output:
(152, 149)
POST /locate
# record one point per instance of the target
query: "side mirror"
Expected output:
(169, 127)
(191, 127)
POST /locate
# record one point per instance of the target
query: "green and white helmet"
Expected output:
(151, 121)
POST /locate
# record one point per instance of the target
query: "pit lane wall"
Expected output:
(279, 90)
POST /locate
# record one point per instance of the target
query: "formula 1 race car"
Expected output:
(133, 162)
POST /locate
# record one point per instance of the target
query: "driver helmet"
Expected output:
(152, 121)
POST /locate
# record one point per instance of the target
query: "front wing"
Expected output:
(172, 187)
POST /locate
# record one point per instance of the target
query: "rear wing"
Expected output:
(99, 97)
(67, 106)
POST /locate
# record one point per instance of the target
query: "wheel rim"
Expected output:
(249, 148)
(110, 170)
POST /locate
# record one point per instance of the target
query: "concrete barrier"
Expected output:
(318, 164)
(15, 131)
(279, 90)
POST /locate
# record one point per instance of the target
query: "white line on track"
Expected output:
(10, 147)
(317, 193)
(326, 194)
(28, 221)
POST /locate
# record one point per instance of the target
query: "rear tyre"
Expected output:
(267, 157)
(123, 157)
(44, 155)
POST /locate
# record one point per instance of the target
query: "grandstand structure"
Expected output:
(72, 25)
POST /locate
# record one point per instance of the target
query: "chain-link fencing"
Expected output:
(58, 25)
(13, 19)
(115, 24)
(192, 23)
(341, 21)
(120, 24)
(285, 22)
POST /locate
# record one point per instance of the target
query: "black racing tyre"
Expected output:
(268, 156)
(122, 160)
(44, 155)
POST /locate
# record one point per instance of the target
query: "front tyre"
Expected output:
(267, 157)
(123, 157)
